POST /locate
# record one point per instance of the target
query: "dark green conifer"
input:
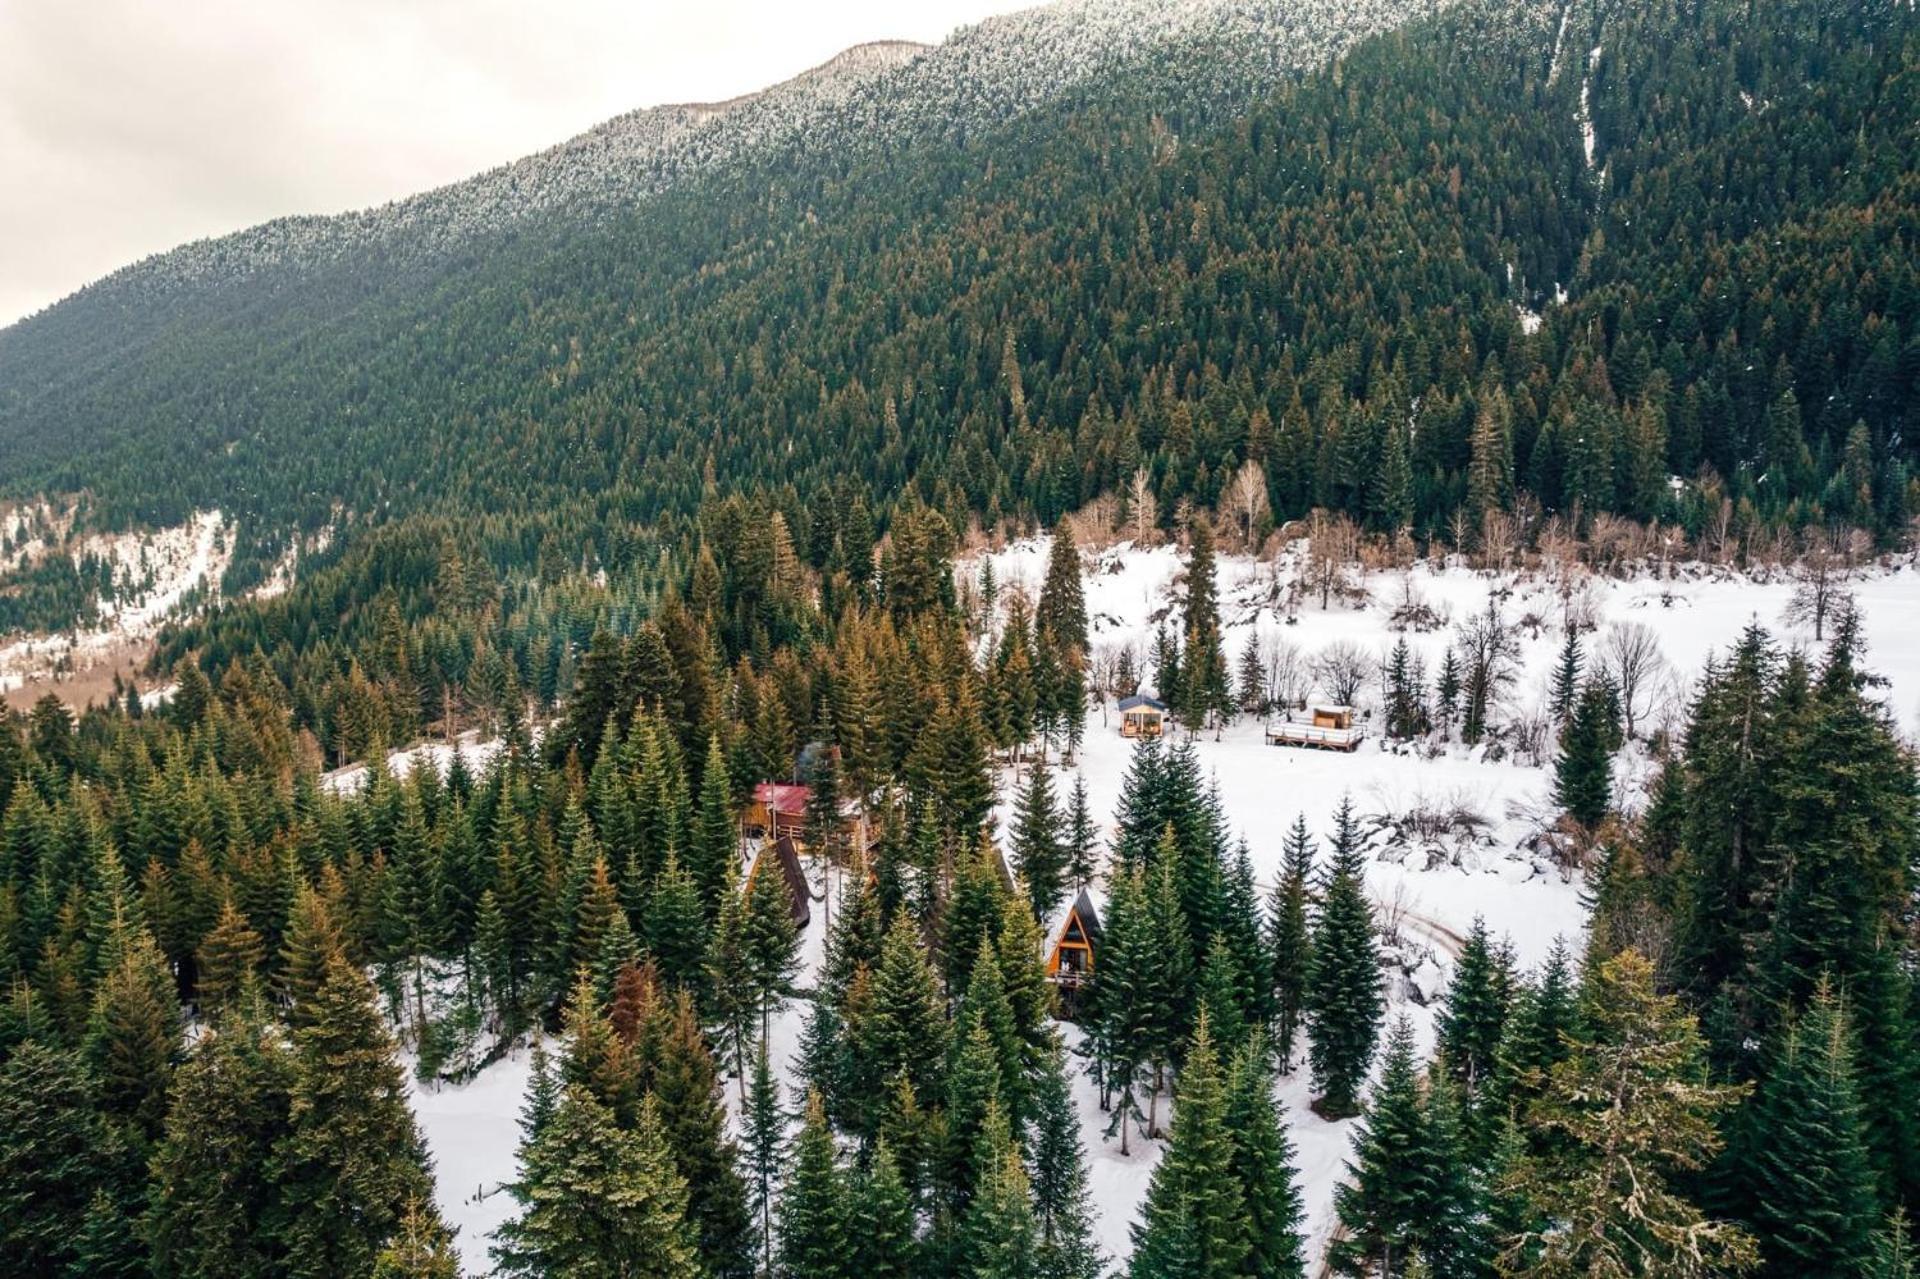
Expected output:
(1802, 1154)
(814, 1242)
(1194, 1222)
(1344, 1000)
(352, 1161)
(1040, 858)
(597, 1199)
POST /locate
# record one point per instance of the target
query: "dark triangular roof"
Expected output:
(786, 855)
(1089, 917)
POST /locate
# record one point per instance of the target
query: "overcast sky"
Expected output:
(130, 126)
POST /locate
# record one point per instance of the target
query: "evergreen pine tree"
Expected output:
(1251, 682)
(1344, 1000)
(352, 1160)
(228, 956)
(814, 1240)
(880, 1220)
(1082, 837)
(59, 1154)
(1803, 1159)
(1474, 1021)
(1602, 1183)
(1289, 940)
(998, 1236)
(676, 927)
(905, 1032)
(1039, 856)
(694, 1124)
(768, 943)
(1563, 692)
(1060, 618)
(1194, 1221)
(711, 851)
(1386, 1205)
(596, 1199)
(213, 1188)
(1063, 1210)
(421, 1249)
(1263, 1164)
(764, 1129)
(133, 1037)
(1583, 773)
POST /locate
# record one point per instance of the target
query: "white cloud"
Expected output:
(127, 127)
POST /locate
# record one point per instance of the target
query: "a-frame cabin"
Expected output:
(1070, 958)
(785, 856)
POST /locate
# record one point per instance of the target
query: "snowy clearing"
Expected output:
(1433, 888)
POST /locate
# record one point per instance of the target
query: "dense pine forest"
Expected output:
(667, 503)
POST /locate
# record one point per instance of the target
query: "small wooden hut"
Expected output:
(1142, 716)
(780, 809)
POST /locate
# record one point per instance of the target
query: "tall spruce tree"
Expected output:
(880, 1221)
(1344, 999)
(1063, 1209)
(60, 1160)
(1289, 939)
(1389, 1201)
(1081, 837)
(1583, 772)
(1040, 856)
(1263, 1164)
(1801, 1153)
(352, 1160)
(764, 1130)
(1194, 1223)
(597, 1199)
(1624, 1114)
(813, 1208)
(1474, 1021)
(213, 1197)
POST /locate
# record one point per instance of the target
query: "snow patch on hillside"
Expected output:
(157, 574)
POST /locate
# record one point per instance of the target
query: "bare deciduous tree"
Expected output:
(1489, 652)
(1342, 669)
(1632, 659)
(1333, 544)
(1248, 495)
(1143, 507)
(1496, 540)
(1821, 591)
(1289, 679)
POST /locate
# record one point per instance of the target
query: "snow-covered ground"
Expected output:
(474, 1131)
(475, 753)
(1436, 891)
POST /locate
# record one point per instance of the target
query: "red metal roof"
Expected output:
(782, 797)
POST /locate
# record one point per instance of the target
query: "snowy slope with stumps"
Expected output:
(1454, 833)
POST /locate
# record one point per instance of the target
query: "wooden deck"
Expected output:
(1314, 737)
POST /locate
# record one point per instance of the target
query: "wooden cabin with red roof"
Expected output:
(779, 810)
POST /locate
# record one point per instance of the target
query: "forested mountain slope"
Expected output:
(375, 324)
(1183, 257)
